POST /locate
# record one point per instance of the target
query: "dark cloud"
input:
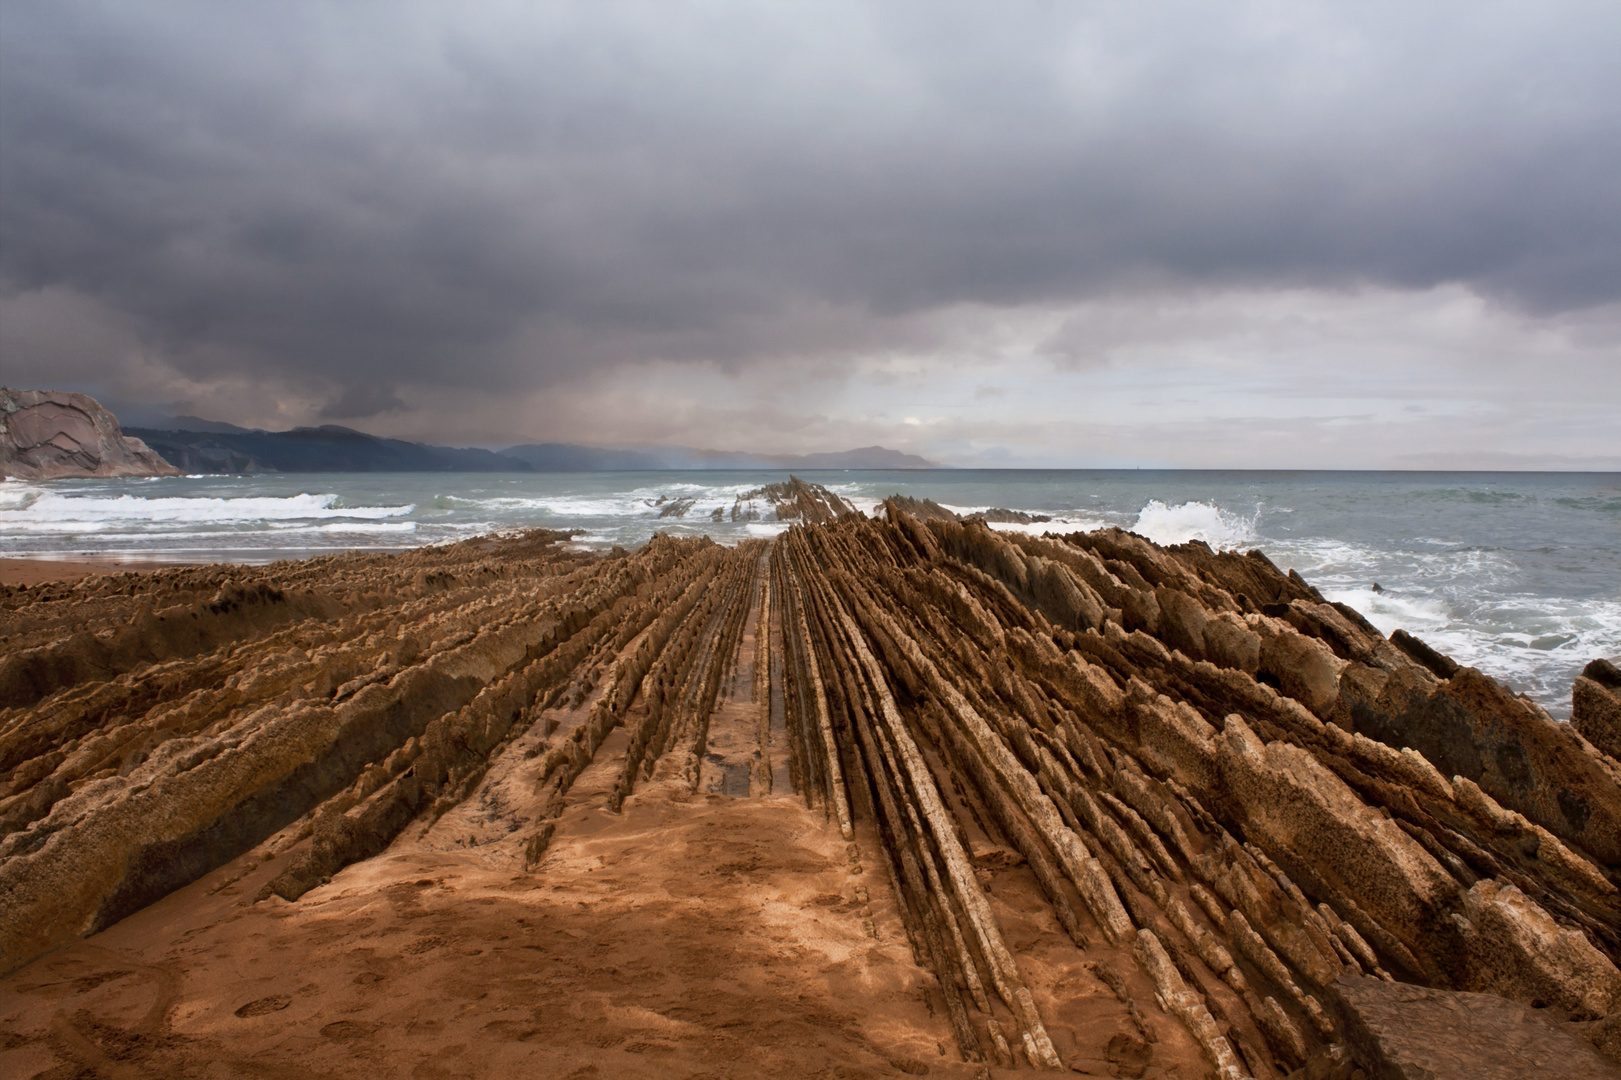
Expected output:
(357, 197)
(362, 400)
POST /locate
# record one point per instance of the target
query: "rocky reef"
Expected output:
(791, 500)
(1072, 801)
(51, 434)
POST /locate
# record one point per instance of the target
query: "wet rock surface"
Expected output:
(975, 800)
(52, 434)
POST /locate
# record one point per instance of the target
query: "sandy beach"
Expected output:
(38, 571)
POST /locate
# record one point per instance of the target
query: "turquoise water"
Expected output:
(1518, 574)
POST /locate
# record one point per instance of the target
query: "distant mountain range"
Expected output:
(195, 445)
(225, 448)
(568, 457)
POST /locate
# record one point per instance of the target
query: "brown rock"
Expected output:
(1595, 711)
(1516, 948)
(1401, 1032)
(1471, 726)
(1604, 673)
(793, 500)
(921, 509)
(997, 515)
(1439, 664)
(1293, 804)
(1305, 668)
(1230, 643)
(47, 434)
(1182, 622)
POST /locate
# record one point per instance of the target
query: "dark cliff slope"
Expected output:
(315, 450)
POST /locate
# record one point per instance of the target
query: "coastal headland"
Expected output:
(897, 795)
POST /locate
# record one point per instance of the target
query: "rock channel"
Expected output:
(1174, 782)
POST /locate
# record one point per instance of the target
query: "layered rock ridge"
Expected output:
(52, 434)
(1172, 784)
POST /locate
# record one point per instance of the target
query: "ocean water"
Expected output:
(1518, 574)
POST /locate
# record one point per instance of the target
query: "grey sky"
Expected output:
(1357, 234)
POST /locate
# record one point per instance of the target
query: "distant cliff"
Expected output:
(52, 434)
(224, 448)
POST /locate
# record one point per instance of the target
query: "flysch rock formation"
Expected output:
(1595, 706)
(52, 434)
(791, 500)
(873, 797)
(929, 510)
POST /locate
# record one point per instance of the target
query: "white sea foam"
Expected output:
(1469, 604)
(1060, 523)
(1194, 521)
(50, 511)
(643, 502)
(336, 527)
(1390, 612)
(865, 505)
(17, 495)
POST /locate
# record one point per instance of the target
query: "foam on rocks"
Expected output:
(901, 794)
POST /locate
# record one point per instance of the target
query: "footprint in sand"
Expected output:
(345, 1029)
(265, 1005)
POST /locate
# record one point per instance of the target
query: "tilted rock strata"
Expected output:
(1229, 793)
(1595, 706)
(929, 510)
(791, 500)
(51, 434)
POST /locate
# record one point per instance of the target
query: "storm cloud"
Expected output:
(451, 219)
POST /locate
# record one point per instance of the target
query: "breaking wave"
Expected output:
(49, 511)
(1219, 528)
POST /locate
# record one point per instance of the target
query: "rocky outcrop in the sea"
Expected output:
(791, 500)
(52, 434)
(929, 510)
(1175, 779)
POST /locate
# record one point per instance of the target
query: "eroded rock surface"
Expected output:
(791, 500)
(1114, 807)
(51, 434)
(1596, 706)
(1406, 1032)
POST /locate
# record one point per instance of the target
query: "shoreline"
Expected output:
(38, 571)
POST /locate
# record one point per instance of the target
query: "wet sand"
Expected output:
(690, 936)
(39, 571)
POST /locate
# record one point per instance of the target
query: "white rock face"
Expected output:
(50, 434)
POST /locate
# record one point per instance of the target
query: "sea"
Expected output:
(1518, 574)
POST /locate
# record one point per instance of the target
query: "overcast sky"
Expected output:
(1281, 234)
